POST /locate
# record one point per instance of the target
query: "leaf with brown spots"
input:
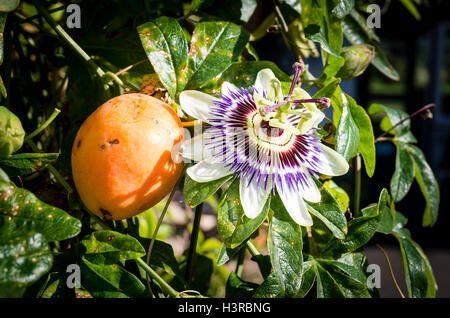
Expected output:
(22, 212)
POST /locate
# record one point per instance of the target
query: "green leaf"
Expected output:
(162, 256)
(263, 261)
(3, 88)
(243, 74)
(343, 8)
(285, 249)
(201, 278)
(308, 278)
(338, 194)
(352, 264)
(366, 145)
(109, 280)
(410, 6)
(226, 253)
(362, 23)
(356, 35)
(195, 193)
(237, 288)
(11, 133)
(8, 5)
(404, 173)
(394, 116)
(22, 212)
(232, 224)
(360, 230)
(167, 49)
(23, 260)
(347, 134)
(329, 89)
(27, 163)
(329, 212)
(428, 185)
(325, 284)
(106, 247)
(270, 288)
(214, 46)
(315, 33)
(419, 276)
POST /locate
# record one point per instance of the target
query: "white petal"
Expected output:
(254, 197)
(207, 170)
(197, 104)
(265, 81)
(227, 87)
(331, 162)
(310, 192)
(196, 149)
(294, 204)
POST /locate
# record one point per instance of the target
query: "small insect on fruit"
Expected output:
(125, 156)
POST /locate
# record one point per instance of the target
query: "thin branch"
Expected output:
(390, 270)
(193, 245)
(126, 69)
(424, 108)
(158, 225)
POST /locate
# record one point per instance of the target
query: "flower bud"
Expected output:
(11, 133)
(357, 58)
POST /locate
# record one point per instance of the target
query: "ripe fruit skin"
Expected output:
(122, 156)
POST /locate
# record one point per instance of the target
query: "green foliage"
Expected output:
(194, 45)
(233, 225)
(11, 132)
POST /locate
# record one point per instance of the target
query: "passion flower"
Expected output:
(270, 141)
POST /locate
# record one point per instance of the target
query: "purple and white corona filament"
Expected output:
(268, 140)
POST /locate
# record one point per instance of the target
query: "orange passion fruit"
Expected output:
(125, 156)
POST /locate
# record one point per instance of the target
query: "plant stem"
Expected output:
(154, 275)
(52, 169)
(252, 249)
(66, 37)
(312, 243)
(357, 197)
(417, 112)
(193, 245)
(49, 120)
(240, 262)
(390, 270)
(158, 225)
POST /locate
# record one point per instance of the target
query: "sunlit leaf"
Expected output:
(195, 193)
(167, 49)
(22, 212)
(23, 260)
(27, 163)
